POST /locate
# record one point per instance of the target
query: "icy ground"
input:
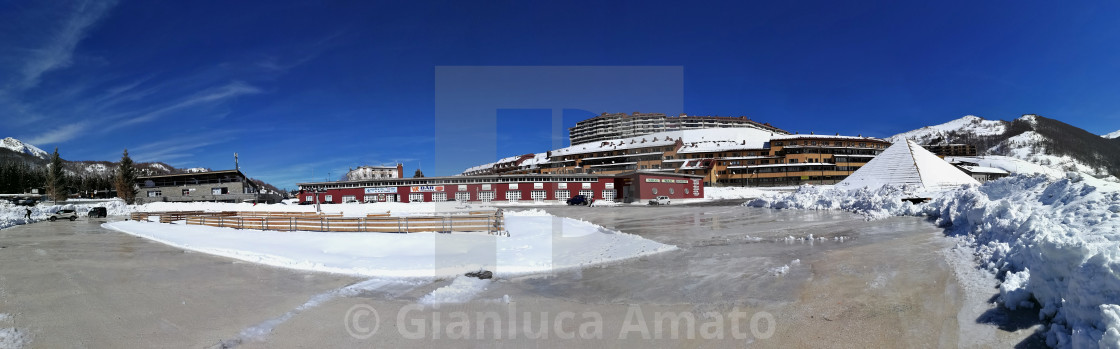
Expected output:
(538, 242)
(1054, 241)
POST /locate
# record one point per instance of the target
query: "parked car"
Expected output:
(660, 200)
(63, 214)
(98, 212)
(578, 200)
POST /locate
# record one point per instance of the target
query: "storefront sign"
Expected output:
(608, 185)
(385, 190)
(586, 185)
(538, 185)
(427, 188)
(561, 185)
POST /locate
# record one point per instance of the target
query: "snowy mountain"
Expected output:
(1032, 138)
(968, 125)
(1113, 135)
(23, 148)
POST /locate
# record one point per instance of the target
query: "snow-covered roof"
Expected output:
(907, 163)
(708, 139)
(982, 169)
(811, 136)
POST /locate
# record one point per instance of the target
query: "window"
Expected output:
(349, 198)
(671, 191)
(608, 195)
(562, 195)
(329, 198)
(309, 198)
(485, 196)
(416, 197)
(369, 198)
(513, 195)
(186, 192)
(222, 190)
(463, 196)
(154, 193)
(590, 194)
(439, 197)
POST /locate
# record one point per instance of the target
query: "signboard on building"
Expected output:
(427, 188)
(608, 185)
(586, 185)
(385, 190)
(538, 185)
(561, 185)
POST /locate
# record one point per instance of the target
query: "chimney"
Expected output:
(400, 170)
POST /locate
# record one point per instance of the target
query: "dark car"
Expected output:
(98, 212)
(578, 200)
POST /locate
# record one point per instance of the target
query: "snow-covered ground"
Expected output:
(11, 215)
(1054, 241)
(538, 242)
(1111, 135)
(731, 193)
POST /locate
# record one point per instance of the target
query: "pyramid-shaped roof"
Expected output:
(907, 163)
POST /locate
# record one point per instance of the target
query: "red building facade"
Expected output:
(625, 187)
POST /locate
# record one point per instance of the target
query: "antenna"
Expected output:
(235, 165)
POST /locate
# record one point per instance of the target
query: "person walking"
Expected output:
(28, 214)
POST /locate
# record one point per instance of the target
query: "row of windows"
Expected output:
(561, 195)
(187, 192)
(464, 180)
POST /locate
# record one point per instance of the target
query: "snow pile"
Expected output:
(10, 337)
(1053, 241)
(461, 290)
(537, 243)
(12, 215)
(881, 202)
(732, 193)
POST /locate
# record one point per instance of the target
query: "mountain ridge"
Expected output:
(1034, 138)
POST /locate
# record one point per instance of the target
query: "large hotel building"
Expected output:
(721, 156)
(608, 126)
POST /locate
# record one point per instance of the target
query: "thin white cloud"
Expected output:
(58, 51)
(230, 90)
(58, 135)
(178, 148)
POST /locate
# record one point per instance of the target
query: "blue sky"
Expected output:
(301, 90)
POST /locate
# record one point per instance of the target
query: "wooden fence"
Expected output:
(491, 223)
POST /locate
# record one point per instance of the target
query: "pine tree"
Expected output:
(56, 178)
(126, 179)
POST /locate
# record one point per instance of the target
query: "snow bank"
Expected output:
(1054, 241)
(12, 215)
(732, 193)
(538, 243)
